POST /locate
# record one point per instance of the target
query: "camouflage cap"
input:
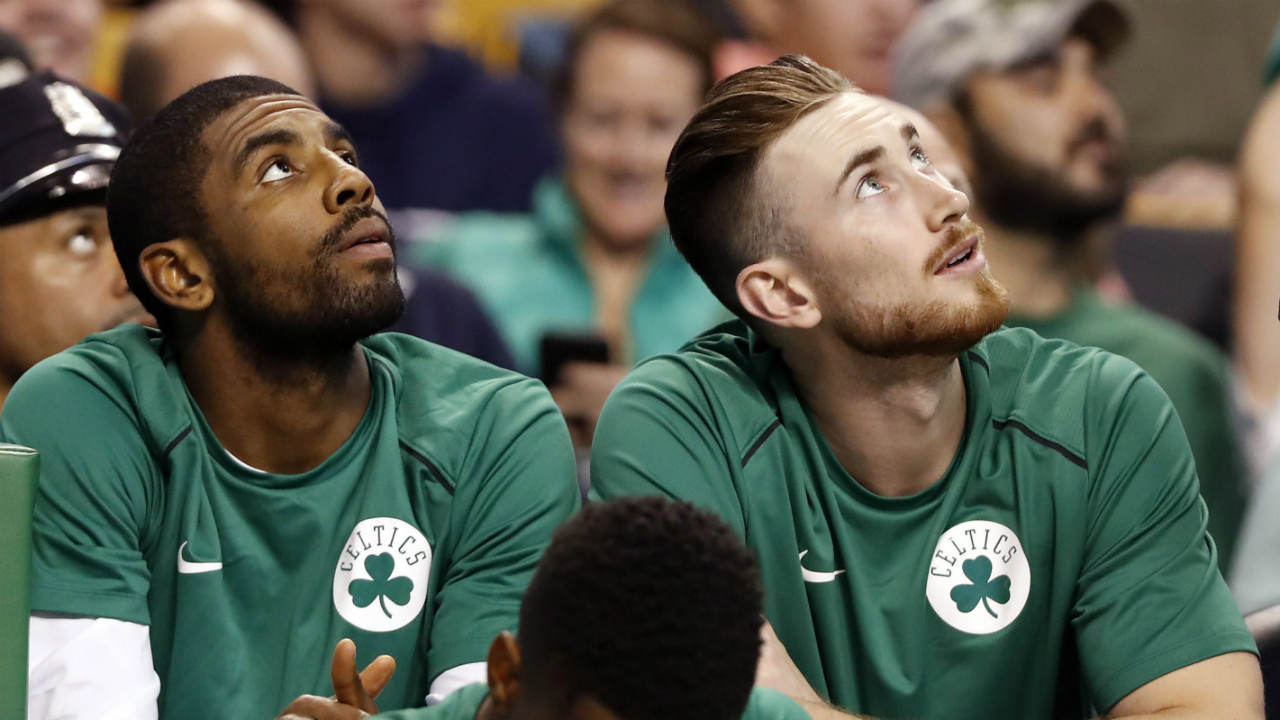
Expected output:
(950, 39)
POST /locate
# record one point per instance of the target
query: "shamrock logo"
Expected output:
(981, 587)
(381, 586)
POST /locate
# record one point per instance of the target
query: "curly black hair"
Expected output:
(651, 607)
(154, 191)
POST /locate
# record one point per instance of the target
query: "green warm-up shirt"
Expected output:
(1191, 372)
(416, 538)
(1060, 563)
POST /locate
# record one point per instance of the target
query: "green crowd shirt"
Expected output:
(1059, 564)
(464, 703)
(416, 538)
(529, 273)
(1194, 375)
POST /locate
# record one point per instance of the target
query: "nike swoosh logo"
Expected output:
(811, 576)
(195, 568)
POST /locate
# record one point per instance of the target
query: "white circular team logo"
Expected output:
(381, 580)
(979, 577)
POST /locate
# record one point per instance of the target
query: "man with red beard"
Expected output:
(952, 519)
(1016, 89)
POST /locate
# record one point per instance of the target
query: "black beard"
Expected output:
(304, 316)
(1020, 195)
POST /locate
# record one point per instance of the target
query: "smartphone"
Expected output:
(557, 349)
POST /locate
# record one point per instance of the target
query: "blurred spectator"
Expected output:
(855, 37)
(433, 127)
(1016, 92)
(595, 257)
(59, 279)
(59, 33)
(174, 46)
(1256, 579)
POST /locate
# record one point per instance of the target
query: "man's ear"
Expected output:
(775, 291)
(178, 274)
(504, 673)
(955, 129)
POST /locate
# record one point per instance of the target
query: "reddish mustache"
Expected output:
(956, 234)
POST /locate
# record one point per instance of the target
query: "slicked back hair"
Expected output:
(154, 193)
(721, 216)
(648, 606)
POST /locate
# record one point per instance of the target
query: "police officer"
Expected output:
(59, 278)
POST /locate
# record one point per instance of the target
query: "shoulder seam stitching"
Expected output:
(431, 467)
(760, 441)
(1041, 440)
(174, 443)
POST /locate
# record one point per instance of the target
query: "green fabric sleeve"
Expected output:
(1149, 598)
(768, 704)
(91, 505)
(1201, 394)
(658, 435)
(519, 484)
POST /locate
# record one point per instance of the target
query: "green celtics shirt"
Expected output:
(1191, 372)
(464, 703)
(1060, 563)
(416, 538)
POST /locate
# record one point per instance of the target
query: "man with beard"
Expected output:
(1015, 89)
(952, 519)
(59, 279)
(264, 476)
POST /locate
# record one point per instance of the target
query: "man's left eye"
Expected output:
(82, 244)
(349, 158)
(919, 156)
(278, 170)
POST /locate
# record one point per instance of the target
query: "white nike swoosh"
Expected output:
(810, 576)
(195, 568)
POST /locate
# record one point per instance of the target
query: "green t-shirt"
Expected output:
(416, 538)
(1060, 562)
(1193, 374)
(464, 703)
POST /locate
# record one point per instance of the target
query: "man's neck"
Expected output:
(5, 386)
(1031, 268)
(281, 418)
(894, 424)
(355, 68)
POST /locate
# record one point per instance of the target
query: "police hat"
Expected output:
(58, 142)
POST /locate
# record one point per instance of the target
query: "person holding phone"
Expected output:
(590, 282)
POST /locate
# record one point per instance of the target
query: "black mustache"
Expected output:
(1095, 129)
(333, 237)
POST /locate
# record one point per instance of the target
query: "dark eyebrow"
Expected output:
(863, 158)
(909, 132)
(335, 134)
(279, 136)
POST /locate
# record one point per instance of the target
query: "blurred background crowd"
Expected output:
(1124, 161)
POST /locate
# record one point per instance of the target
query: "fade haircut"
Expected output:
(154, 193)
(651, 607)
(720, 216)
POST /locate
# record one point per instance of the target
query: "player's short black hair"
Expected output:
(651, 607)
(154, 191)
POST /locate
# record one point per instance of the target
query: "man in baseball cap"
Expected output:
(59, 278)
(1015, 86)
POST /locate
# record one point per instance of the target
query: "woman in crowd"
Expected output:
(589, 282)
